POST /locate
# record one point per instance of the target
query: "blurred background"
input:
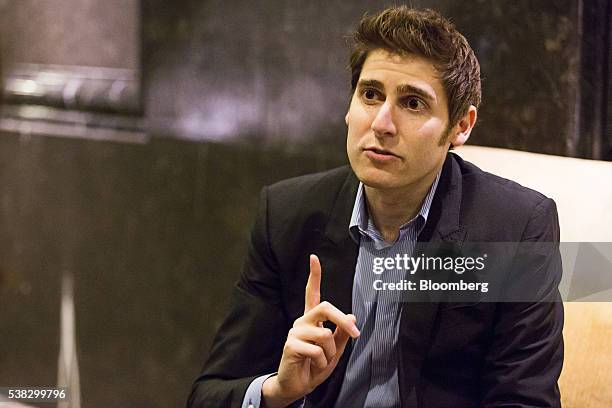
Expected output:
(135, 136)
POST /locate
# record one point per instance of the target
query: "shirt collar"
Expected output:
(362, 225)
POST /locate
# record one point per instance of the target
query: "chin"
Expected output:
(379, 179)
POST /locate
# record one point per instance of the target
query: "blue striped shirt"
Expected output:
(371, 375)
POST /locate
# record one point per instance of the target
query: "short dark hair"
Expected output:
(401, 30)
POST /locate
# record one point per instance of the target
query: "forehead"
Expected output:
(394, 70)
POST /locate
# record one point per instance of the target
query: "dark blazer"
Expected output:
(452, 354)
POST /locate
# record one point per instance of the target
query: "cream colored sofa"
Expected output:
(582, 190)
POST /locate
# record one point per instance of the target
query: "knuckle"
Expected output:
(298, 321)
(291, 346)
(327, 334)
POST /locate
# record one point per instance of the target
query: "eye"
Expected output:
(371, 95)
(414, 103)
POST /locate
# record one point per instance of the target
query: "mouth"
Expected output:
(378, 153)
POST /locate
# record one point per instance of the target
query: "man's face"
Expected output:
(397, 122)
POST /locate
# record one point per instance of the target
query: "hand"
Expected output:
(311, 351)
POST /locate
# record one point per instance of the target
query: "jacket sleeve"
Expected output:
(526, 354)
(250, 340)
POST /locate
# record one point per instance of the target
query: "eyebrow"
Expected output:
(401, 89)
(410, 89)
(371, 83)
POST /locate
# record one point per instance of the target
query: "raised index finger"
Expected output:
(313, 287)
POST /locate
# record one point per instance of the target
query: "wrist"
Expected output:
(272, 395)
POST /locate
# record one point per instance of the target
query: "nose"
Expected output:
(383, 125)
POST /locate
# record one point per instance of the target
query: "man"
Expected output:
(308, 333)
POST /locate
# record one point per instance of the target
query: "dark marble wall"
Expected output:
(595, 140)
(32, 256)
(154, 235)
(71, 32)
(529, 51)
(276, 71)
(269, 70)
(72, 54)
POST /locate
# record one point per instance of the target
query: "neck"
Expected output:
(391, 208)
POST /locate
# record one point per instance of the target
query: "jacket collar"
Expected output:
(442, 221)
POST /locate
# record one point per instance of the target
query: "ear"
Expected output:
(464, 127)
(346, 118)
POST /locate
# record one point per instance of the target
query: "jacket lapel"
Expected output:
(417, 319)
(338, 255)
(338, 250)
